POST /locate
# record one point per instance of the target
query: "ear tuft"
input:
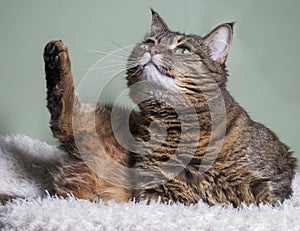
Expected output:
(219, 41)
(158, 25)
(152, 11)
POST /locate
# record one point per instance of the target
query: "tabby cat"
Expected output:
(189, 141)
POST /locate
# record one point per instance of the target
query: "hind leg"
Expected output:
(272, 191)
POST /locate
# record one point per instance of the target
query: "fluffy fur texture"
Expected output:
(190, 141)
(23, 159)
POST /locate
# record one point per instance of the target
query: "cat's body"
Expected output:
(190, 141)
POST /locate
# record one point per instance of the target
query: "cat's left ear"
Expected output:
(158, 25)
(219, 41)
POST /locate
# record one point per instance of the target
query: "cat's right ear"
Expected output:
(158, 25)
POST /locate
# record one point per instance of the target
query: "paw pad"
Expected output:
(54, 52)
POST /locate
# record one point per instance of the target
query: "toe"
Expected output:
(54, 52)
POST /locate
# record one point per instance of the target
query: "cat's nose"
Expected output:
(154, 50)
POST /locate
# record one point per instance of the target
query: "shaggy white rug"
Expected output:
(23, 173)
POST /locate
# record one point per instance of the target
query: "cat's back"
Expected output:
(253, 155)
(267, 152)
(257, 145)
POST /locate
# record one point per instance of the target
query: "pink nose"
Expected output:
(154, 50)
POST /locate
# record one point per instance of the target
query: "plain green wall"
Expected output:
(263, 64)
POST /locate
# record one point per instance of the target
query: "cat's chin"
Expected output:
(153, 74)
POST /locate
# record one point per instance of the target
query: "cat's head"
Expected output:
(188, 64)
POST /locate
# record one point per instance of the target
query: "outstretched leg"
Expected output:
(96, 165)
(62, 102)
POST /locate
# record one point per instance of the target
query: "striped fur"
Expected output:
(190, 141)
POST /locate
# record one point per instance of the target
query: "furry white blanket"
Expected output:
(23, 164)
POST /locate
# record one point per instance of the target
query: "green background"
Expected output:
(263, 63)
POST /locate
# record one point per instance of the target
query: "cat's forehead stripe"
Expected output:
(167, 37)
(174, 38)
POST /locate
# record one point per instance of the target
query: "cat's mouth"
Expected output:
(154, 72)
(151, 66)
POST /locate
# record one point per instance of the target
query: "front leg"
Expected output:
(96, 166)
(62, 102)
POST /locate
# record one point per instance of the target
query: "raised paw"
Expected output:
(56, 56)
(60, 88)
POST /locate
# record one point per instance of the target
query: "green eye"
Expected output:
(182, 50)
(147, 44)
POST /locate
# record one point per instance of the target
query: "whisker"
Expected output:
(113, 53)
(111, 74)
(100, 68)
(119, 72)
(97, 52)
(123, 49)
(113, 63)
(116, 65)
(103, 54)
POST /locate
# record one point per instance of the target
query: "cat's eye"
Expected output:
(182, 50)
(147, 44)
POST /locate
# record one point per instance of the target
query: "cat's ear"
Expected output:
(158, 25)
(219, 41)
